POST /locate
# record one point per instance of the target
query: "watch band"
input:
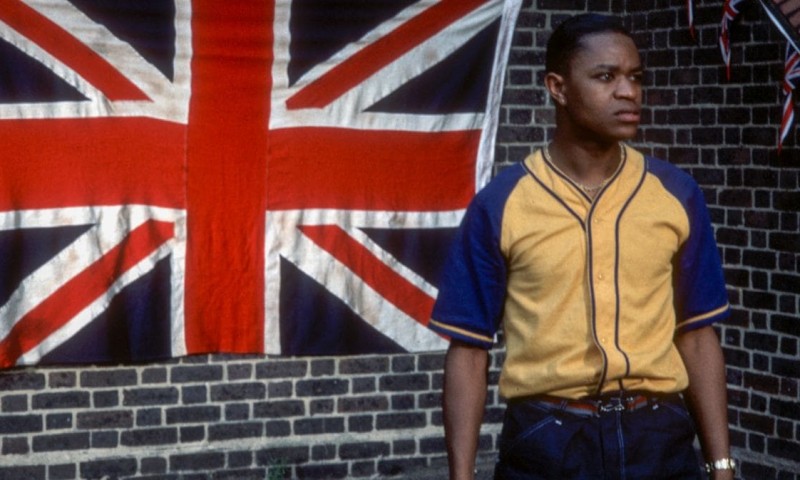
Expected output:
(721, 464)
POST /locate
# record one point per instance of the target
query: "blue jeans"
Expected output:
(542, 441)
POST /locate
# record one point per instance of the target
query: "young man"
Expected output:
(601, 267)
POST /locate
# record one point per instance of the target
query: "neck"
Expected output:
(586, 163)
(589, 168)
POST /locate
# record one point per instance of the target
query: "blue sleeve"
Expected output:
(472, 290)
(701, 297)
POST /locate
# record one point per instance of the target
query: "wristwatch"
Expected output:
(721, 464)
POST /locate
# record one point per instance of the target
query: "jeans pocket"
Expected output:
(533, 442)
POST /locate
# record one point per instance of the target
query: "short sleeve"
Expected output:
(700, 291)
(472, 289)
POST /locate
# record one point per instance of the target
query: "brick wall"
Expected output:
(230, 417)
(724, 133)
(379, 416)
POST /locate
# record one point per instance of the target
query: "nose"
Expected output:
(628, 88)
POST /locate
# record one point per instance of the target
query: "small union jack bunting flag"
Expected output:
(729, 13)
(791, 73)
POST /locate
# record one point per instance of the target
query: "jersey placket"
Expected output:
(602, 246)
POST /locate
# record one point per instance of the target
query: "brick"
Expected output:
(430, 362)
(151, 436)
(239, 372)
(321, 387)
(360, 450)
(105, 398)
(363, 469)
(13, 403)
(784, 283)
(363, 385)
(761, 341)
(405, 383)
(311, 426)
(61, 472)
(403, 402)
(323, 452)
(194, 394)
(104, 419)
(116, 468)
(228, 431)
(61, 400)
(16, 424)
(196, 373)
(154, 375)
(197, 461)
(278, 428)
(784, 241)
(360, 423)
(279, 408)
(785, 367)
(281, 369)
(786, 325)
(21, 381)
(282, 456)
(238, 391)
(759, 300)
(321, 406)
(432, 445)
(365, 365)
(323, 367)
(153, 465)
(240, 459)
(401, 467)
(403, 363)
(104, 439)
(241, 474)
(150, 396)
(14, 446)
(191, 434)
(61, 379)
(148, 417)
(58, 421)
(758, 423)
(280, 389)
(323, 471)
(37, 472)
(785, 409)
(193, 414)
(59, 442)
(363, 404)
(782, 448)
(237, 412)
(400, 421)
(404, 447)
(109, 378)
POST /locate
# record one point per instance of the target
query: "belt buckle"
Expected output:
(612, 405)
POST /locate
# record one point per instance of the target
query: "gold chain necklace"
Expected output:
(588, 190)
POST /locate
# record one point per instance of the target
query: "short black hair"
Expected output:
(566, 38)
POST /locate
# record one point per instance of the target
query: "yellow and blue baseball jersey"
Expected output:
(589, 293)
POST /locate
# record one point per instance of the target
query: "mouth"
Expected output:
(628, 116)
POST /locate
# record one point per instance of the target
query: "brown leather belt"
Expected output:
(596, 406)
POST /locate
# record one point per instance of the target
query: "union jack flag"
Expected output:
(185, 177)
(729, 13)
(791, 74)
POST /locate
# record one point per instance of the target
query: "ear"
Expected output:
(555, 85)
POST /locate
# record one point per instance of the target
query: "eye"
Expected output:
(637, 77)
(605, 76)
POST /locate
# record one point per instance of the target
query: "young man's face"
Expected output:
(603, 88)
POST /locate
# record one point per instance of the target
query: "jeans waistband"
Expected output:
(596, 406)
